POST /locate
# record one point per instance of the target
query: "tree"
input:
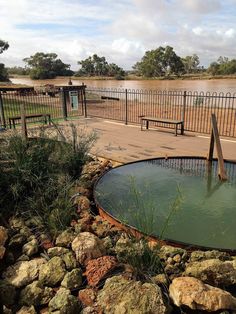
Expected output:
(191, 63)
(3, 72)
(47, 65)
(98, 66)
(223, 66)
(162, 61)
(3, 45)
(18, 70)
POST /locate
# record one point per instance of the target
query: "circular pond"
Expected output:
(179, 199)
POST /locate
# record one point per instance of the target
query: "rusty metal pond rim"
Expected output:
(151, 238)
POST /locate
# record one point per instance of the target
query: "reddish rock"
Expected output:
(83, 203)
(97, 269)
(87, 296)
(47, 244)
(85, 192)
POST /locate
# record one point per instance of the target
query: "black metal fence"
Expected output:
(126, 105)
(194, 108)
(57, 104)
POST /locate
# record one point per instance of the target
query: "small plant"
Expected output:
(143, 258)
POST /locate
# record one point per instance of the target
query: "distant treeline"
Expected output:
(160, 62)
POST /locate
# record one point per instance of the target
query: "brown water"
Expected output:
(219, 85)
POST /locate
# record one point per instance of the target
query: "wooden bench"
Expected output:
(45, 116)
(147, 119)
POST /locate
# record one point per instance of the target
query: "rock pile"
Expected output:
(88, 269)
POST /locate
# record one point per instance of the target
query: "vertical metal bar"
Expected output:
(23, 122)
(126, 106)
(183, 111)
(2, 116)
(85, 102)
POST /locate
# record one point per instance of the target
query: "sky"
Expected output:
(120, 30)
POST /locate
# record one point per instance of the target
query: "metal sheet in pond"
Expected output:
(175, 199)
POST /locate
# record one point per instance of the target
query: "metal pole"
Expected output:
(85, 102)
(183, 112)
(2, 116)
(23, 122)
(63, 103)
(126, 106)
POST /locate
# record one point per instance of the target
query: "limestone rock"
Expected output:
(213, 271)
(196, 295)
(73, 279)
(30, 248)
(35, 294)
(87, 246)
(7, 293)
(167, 251)
(17, 241)
(160, 279)
(57, 251)
(27, 310)
(52, 272)
(203, 255)
(83, 203)
(23, 273)
(2, 252)
(120, 295)
(31, 294)
(17, 223)
(3, 235)
(97, 269)
(69, 260)
(64, 303)
(84, 223)
(66, 255)
(101, 227)
(65, 238)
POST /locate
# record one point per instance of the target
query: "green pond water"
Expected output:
(175, 199)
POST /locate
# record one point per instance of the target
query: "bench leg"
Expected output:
(147, 124)
(176, 129)
(182, 129)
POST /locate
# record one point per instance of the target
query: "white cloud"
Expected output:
(230, 33)
(119, 30)
(198, 31)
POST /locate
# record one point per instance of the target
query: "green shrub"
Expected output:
(38, 174)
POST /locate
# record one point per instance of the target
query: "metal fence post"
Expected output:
(183, 111)
(85, 102)
(2, 115)
(63, 103)
(126, 106)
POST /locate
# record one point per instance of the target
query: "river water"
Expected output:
(217, 85)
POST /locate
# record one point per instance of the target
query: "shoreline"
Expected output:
(136, 78)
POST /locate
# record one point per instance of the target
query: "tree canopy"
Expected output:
(223, 66)
(191, 64)
(3, 45)
(47, 66)
(98, 66)
(3, 72)
(162, 61)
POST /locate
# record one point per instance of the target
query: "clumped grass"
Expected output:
(37, 176)
(143, 259)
